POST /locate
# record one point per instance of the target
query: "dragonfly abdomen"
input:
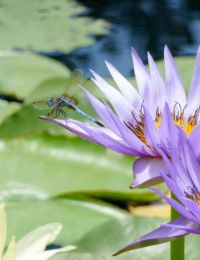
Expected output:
(70, 103)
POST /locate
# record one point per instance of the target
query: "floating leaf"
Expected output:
(46, 166)
(107, 238)
(78, 217)
(20, 74)
(7, 109)
(46, 25)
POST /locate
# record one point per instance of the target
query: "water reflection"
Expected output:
(146, 25)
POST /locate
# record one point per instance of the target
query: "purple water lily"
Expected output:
(142, 119)
(182, 177)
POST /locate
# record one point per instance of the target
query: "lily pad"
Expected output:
(7, 109)
(96, 228)
(107, 238)
(77, 216)
(25, 123)
(20, 74)
(46, 166)
(46, 26)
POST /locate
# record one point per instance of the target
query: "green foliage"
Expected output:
(78, 216)
(57, 166)
(7, 109)
(20, 74)
(47, 26)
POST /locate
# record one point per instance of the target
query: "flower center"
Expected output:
(177, 116)
(179, 120)
(193, 195)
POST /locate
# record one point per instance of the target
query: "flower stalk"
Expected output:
(177, 246)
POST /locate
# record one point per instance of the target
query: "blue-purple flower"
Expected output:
(182, 177)
(137, 121)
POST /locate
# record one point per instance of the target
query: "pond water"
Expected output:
(145, 25)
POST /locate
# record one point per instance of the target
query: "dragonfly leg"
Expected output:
(64, 114)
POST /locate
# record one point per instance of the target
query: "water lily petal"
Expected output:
(176, 205)
(106, 138)
(168, 130)
(101, 110)
(37, 240)
(128, 136)
(47, 253)
(69, 126)
(194, 136)
(161, 235)
(158, 85)
(179, 180)
(194, 230)
(11, 250)
(123, 108)
(125, 87)
(3, 227)
(194, 92)
(192, 164)
(141, 74)
(175, 89)
(147, 172)
(144, 82)
(151, 131)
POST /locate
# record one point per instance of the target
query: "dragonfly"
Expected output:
(68, 100)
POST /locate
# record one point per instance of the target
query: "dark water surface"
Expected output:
(145, 25)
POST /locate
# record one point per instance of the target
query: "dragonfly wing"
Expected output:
(76, 79)
(41, 105)
(73, 90)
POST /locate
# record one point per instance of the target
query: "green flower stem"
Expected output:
(176, 246)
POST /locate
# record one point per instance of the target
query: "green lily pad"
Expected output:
(46, 25)
(7, 109)
(107, 238)
(25, 123)
(77, 216)
(96, 228)
(47, 166)
(20, 74)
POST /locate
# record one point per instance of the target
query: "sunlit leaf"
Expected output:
(20, 74)
(46, 25)
(46, 166)
(7, 109)
(78, 217)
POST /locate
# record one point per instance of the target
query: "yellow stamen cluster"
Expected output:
(177, 116)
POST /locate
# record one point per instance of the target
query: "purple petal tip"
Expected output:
(43, 117)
